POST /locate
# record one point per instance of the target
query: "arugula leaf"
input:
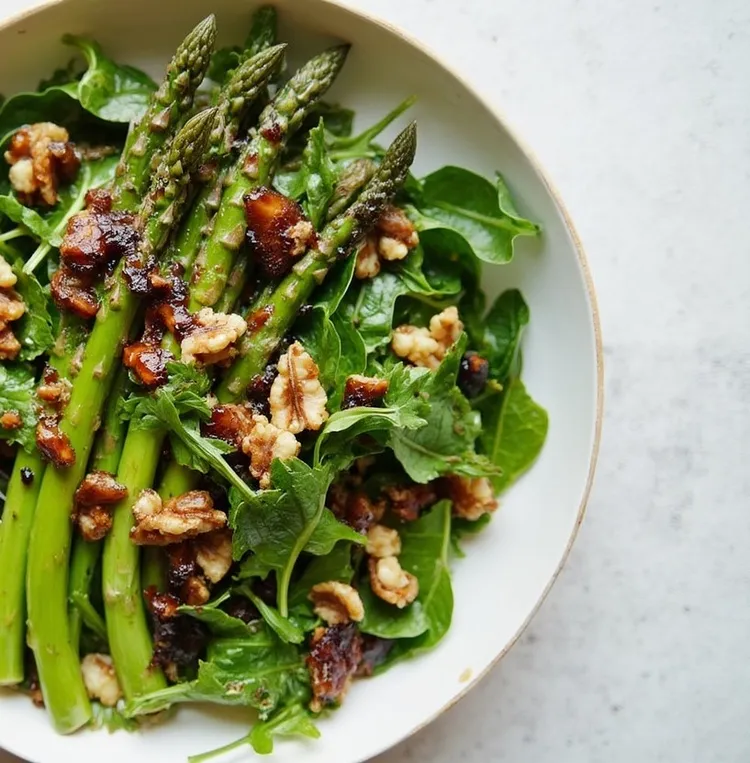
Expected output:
(290, 722)
(425, 546)
(258, 671)
(220, 622)
(316, 178)
(469, 205)
(513, 434)
(503, 327)
(283, 627)
(446, 444)
(115, 93)
(12, 208)
(18, 393)
(279, 524)
(34, 329)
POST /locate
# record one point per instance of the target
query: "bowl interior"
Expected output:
(510, 566)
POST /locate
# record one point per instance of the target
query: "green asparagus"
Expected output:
(295, 289)
(59, 671)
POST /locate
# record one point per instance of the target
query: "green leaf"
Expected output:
(22, 215)
(112, 92)
(293, 721)
(336, 565)
(461, 201)
(425, 549)
(503, 328)
(514, 431)
(279, 524)
(463, 527)
(34, 329)
(446, 444)
(18, 394)
(283, 627)
(258, 671)
(220, 622)
(111, 719)
(316, 178)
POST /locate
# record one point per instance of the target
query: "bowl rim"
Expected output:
(40, 6)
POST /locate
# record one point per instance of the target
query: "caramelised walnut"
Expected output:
(391, 583)
(392, 238)
(335, 653)
(367, 264)
(148, 361)
(298, 400)
(53, 390)
(213, 553)
(93, 522)
(8, 278)
(41, 157)
(407, 501)
(12, 306)
(74, 292)
(265, 442)
(277, 230)
(9, 345)
(472, 497)
(427, 347)
(336, 603)
(100, 679)
(212, 338)
(54, 444)
(94, 238)
(184, 577)
(229, 422)
(363, 390)
(180, 518)
(99, 487)
(383, 541)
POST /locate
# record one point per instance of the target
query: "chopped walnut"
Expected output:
(8, 278)
(9, 345)
(407, 501)
(94, 522)
(428, 347)
(354, 507)
(213, 552)
(55, 393)
(472, 497)
(74, 292)
(99, 487)
(41, 157)
(182, 517)
(195, 592)
(12, 306)
(391, 583)
(230, 422)
(298, 400)
(334, 655)
(53, 443)
(383, 541)
(212, 338)
(100, 679)
(336, 602)
(392, 238)
(265, 442)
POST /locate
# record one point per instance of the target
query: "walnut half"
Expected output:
(263, 443)
(391, 583)
(213, 337)
(427, 347)
(336, 602)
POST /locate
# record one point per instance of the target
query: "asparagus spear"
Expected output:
(256, 166)
(310, 271)
(126, 618)
(49, 637)
(169, 104)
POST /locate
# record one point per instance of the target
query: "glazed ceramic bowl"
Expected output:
(511, 566)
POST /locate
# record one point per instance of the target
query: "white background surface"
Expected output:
(640, 111)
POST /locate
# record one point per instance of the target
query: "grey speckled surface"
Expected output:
(640, 112)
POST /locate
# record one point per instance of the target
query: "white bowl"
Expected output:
(511, 566)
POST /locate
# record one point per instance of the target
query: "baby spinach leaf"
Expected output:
(18, 394)
(293, 721)
(514, 432)
(446, 444)
(336, 565)
(279, 524)
(56, 104)
(316, 178)
(113, 92)
(425, 547)
(258, 671)
(501, 337)
(34, 329)
(332, 290)
(466, 203)
(220, 623)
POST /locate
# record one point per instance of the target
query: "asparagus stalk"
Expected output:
(256, 166)
(168, 106)
(310, 271)
(125, 614)
(49, 633)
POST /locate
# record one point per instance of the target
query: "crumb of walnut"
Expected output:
(99, 487)
(264, 443)
(160, 523)
(298, 400)
(472, 497)
(427, 347)
(9, 345)
(336, 602)
(383, 541)
(393, 223)
(12, 306)
(391, 583)
(368, 261)
(53, 443)
(41, 156)
(335, 653)
(100, 679)
(394, 235)
(213, 552)
(212, 338)
(8, 278)
(93, 522)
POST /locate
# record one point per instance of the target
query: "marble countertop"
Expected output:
(640, 112)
